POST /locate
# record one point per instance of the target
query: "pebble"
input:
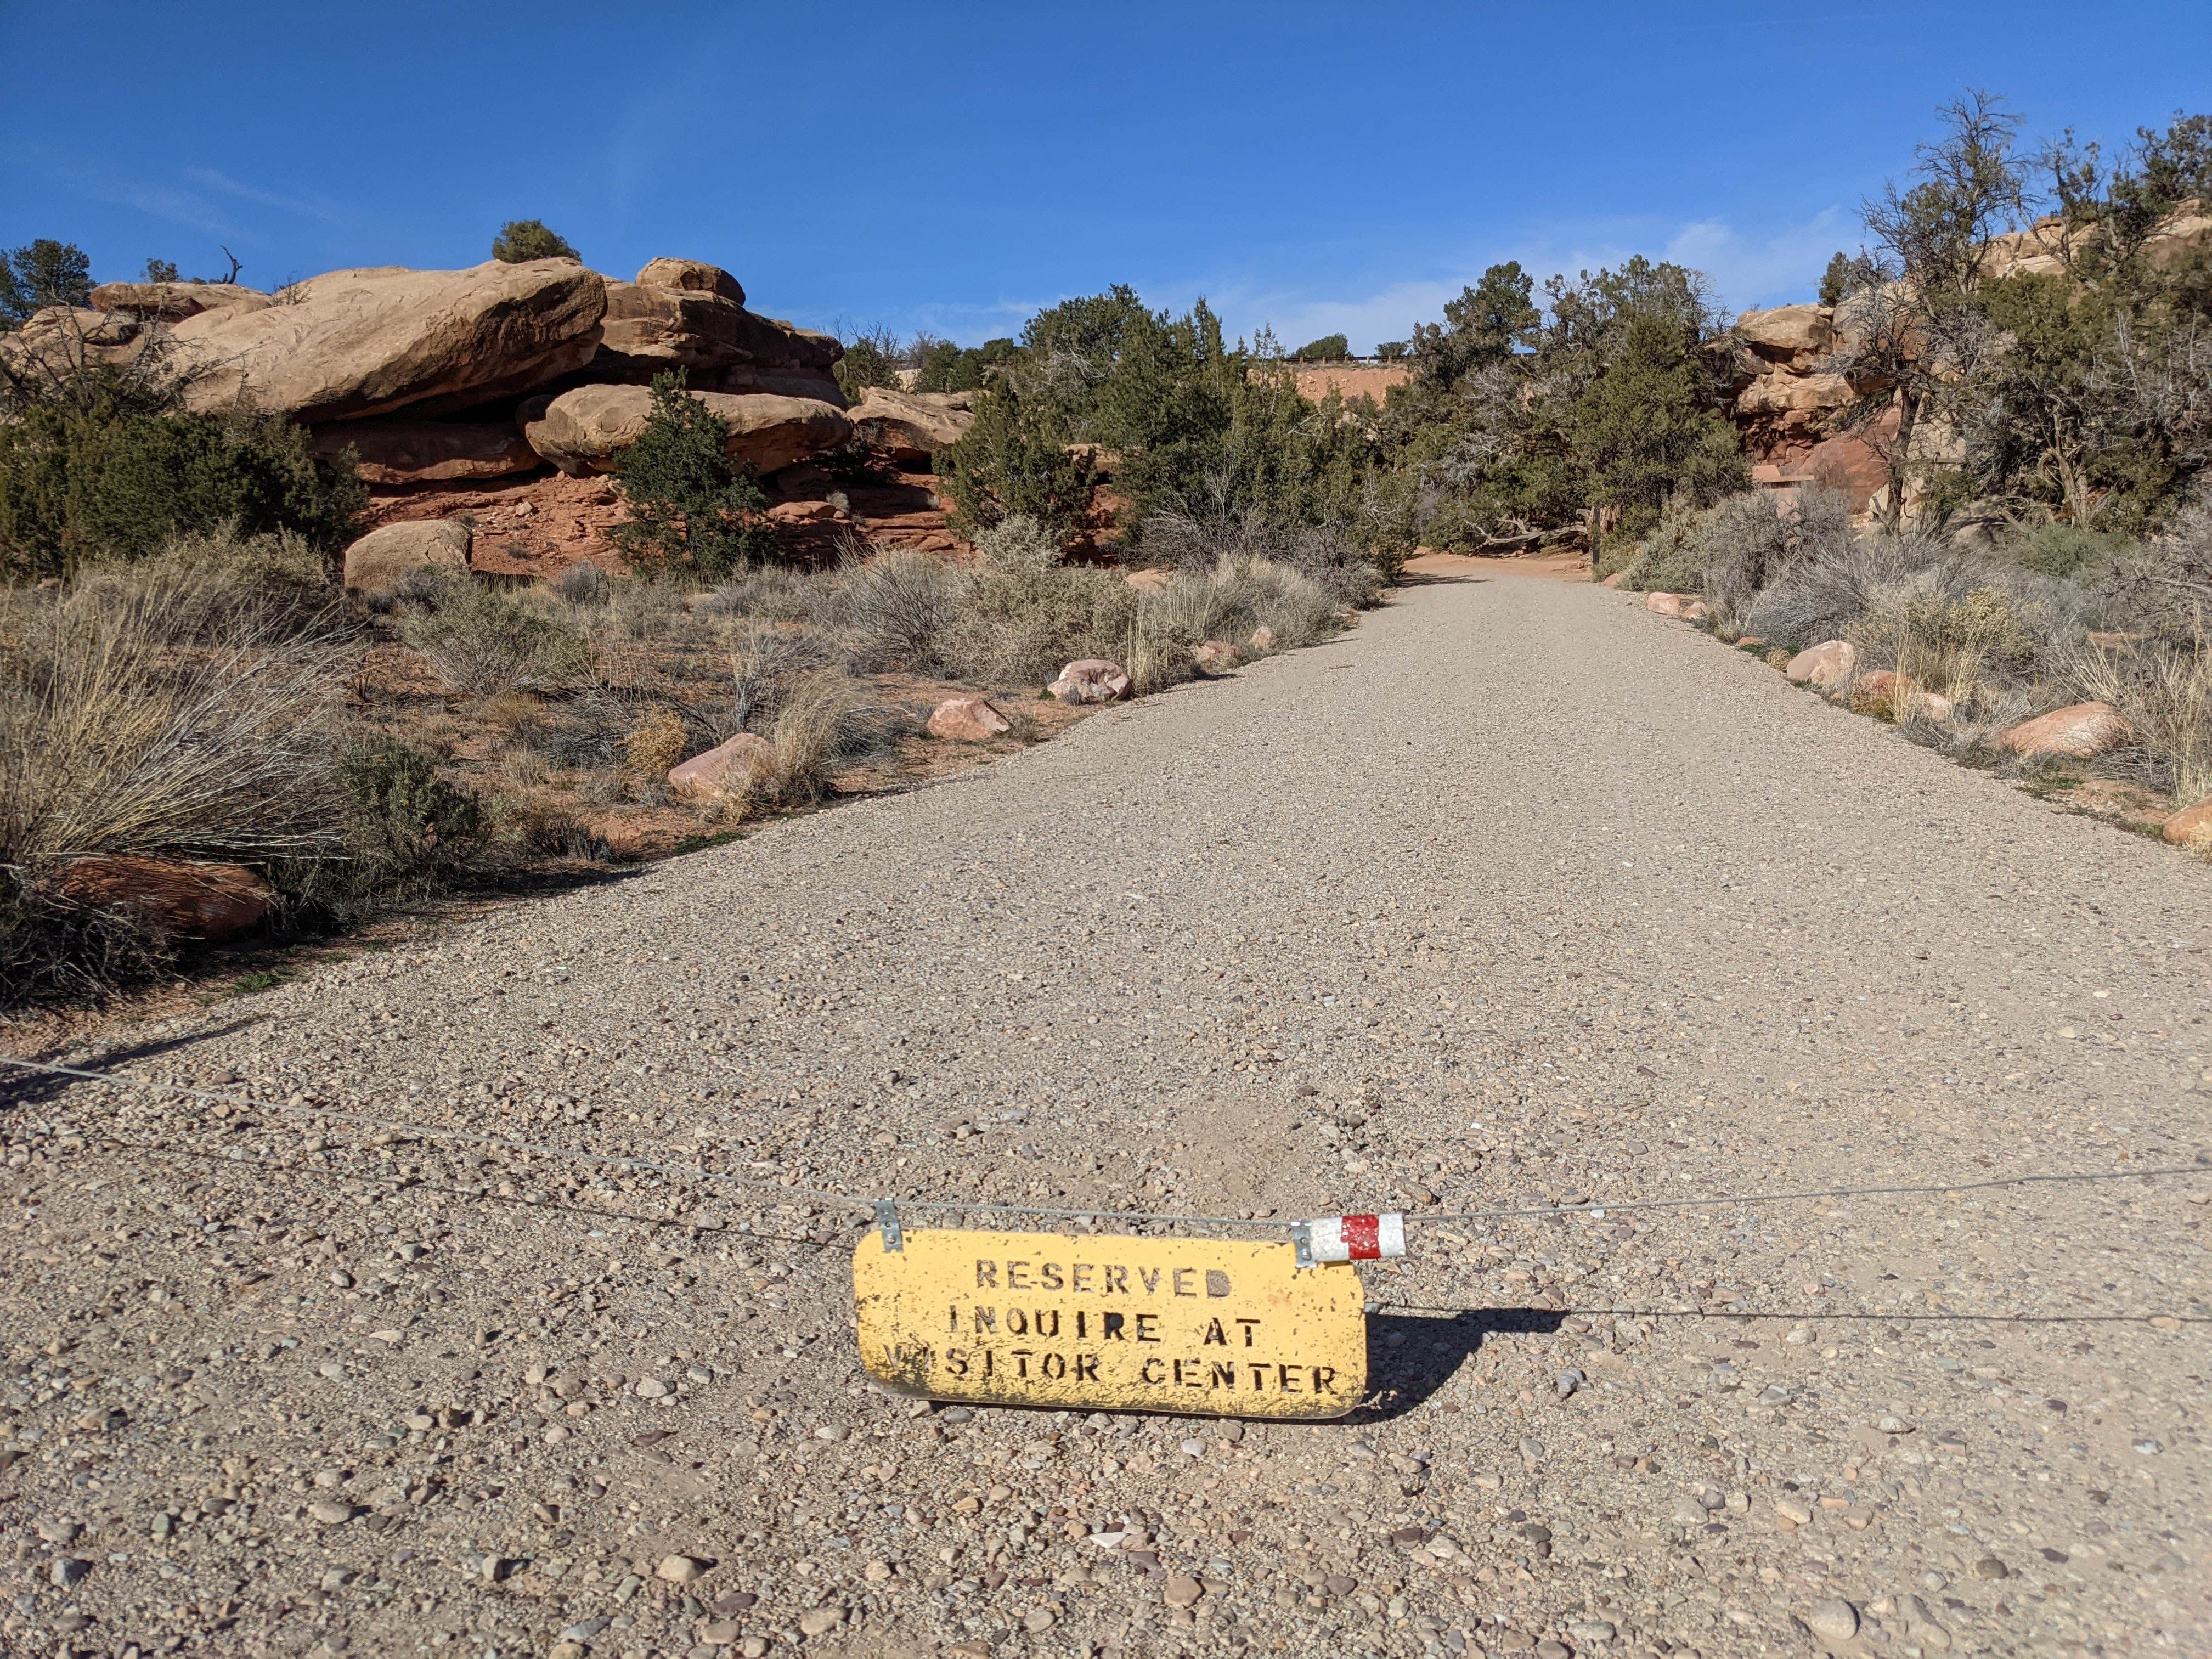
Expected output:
(68, 1573)
(650, 1388)
(1890, 1425)
(1181, 1589)
(1990, 1567)
(819, 1621)
(680, 1569)
(1037, 1620)
(1834, 1621)
(330, 1512)
(1797, 1514)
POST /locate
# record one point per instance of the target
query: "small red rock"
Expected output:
(1092, 680)
(725, 769)
(2191, 826)
(1664, 605)
(2079, 732)
(1216, 657)
(195, 900)
(968, 719)
(1826, 666)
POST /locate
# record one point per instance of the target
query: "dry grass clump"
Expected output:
(1028, 614)
(482, 642)
(186, 708)
(584, 583)
(1198, 543)
(897, 610)
(146, 717)
(654, 742)
(825, 719)
(766, 659)
(1948, 641)
(2166, 694)
(770, 592)
(1232, 601)
(1750, 542)
(1817, 600)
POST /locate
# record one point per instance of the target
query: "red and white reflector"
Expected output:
(1357, 1237)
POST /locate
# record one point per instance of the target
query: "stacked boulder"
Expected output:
(500, 370)
(1788, 400)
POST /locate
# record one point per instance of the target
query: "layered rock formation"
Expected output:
(428, 376)
(700, 329)
(910, 426)
(587, 430)
(354, 343)
(1791, 404)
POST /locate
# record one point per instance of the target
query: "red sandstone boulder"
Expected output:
(587, 429)
(692, 275)
(399, 451)
(2078, 732)
(1824, 667)
(727, 768)
(1898, 697)
(1092, 680)
(909, 427)
(172, 302)
(354, 343)
(375, 564)
(190, 901)
(694, 325)
(1216, 657)
(968, 719)
(1665, 605)
(2191, 827)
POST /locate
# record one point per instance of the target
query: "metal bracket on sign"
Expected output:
(1302, 1242)
(887, 1220)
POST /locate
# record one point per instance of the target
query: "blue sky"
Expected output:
(955, 167)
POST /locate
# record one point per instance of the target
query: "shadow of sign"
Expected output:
(1410, 1356)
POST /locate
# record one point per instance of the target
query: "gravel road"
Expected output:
(1517, 894)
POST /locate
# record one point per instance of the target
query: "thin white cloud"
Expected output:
(177, 207)
(310, 205)
(1763, 270)
(1770, 266)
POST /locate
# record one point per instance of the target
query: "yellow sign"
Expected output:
(1202, 1326)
